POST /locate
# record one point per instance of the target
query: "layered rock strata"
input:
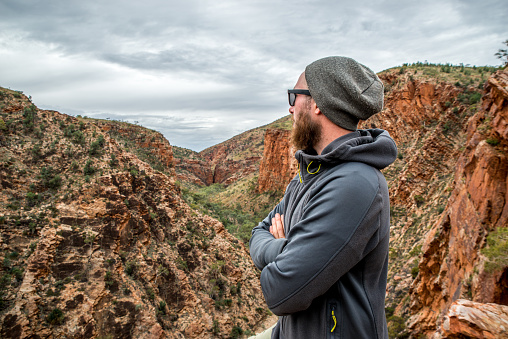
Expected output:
(278, 165)
(452, 266)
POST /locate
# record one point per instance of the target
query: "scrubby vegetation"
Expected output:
(496, 250)
(461, 75)
(238, 218)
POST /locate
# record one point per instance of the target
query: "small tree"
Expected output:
(503, 54)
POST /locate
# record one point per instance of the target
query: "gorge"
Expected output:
(108, 231)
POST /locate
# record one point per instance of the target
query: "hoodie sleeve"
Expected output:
(264, 248)
(339, 226)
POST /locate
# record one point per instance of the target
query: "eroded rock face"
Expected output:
(197, 171)
(278, 165)
(474, 320)
(150, 145)
(217, 165)
(452, 264)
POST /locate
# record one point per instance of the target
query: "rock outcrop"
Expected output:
(467, 319)
(197, 171)
(228, 162)
(452, 265)
(278, 165)
(217, 165)
(148, 145)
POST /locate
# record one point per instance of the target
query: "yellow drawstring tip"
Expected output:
(334, 322)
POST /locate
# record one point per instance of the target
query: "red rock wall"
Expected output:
(278, 165)
(198, 172)
(451, 252)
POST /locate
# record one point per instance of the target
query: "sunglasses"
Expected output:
(293, 92)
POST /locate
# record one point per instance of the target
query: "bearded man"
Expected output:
(323, 250)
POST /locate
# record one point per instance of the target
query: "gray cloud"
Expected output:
(231, 61)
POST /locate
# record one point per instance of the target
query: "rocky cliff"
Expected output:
(453, 265)
(95, 243)
(278, 165)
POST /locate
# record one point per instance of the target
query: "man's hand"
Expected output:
(277, 227)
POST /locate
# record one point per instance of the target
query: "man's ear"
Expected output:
(315, 109)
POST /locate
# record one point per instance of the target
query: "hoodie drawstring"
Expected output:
(309, 166)
(301, 181)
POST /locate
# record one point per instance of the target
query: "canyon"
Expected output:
(99, 237)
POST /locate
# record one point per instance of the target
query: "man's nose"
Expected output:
(291, 109)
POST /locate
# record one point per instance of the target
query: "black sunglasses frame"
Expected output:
(292, 95)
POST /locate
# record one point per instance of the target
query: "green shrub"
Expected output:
(108, 279)
(496, 251)
(396, 327)
(74, 166)
(130, 268)
(150, 293)
(446, 127)
(215, 327)
(79, 138)
(29, 114)
(36, 151)
(474, 97)
(114, 161)
(96, 146)
(17, 273)
(89, 169)
(492, 141)
(74, 134)
(419, 200)
(161, 308)
(56, 317)
(236, 332)
(49, 179)
(414, 271)
(469, 98)
(32, 199)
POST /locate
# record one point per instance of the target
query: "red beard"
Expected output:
(306, 133)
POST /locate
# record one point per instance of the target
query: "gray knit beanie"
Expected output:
(344, 90)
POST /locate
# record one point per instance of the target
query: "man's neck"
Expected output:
(329, 135)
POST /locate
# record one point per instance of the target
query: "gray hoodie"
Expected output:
(327, 279)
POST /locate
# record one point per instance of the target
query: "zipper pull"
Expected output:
(334, 321)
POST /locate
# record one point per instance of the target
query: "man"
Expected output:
(323, 250)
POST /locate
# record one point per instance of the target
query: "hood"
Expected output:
(373, 147)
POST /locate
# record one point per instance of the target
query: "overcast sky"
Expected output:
(202, 71)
